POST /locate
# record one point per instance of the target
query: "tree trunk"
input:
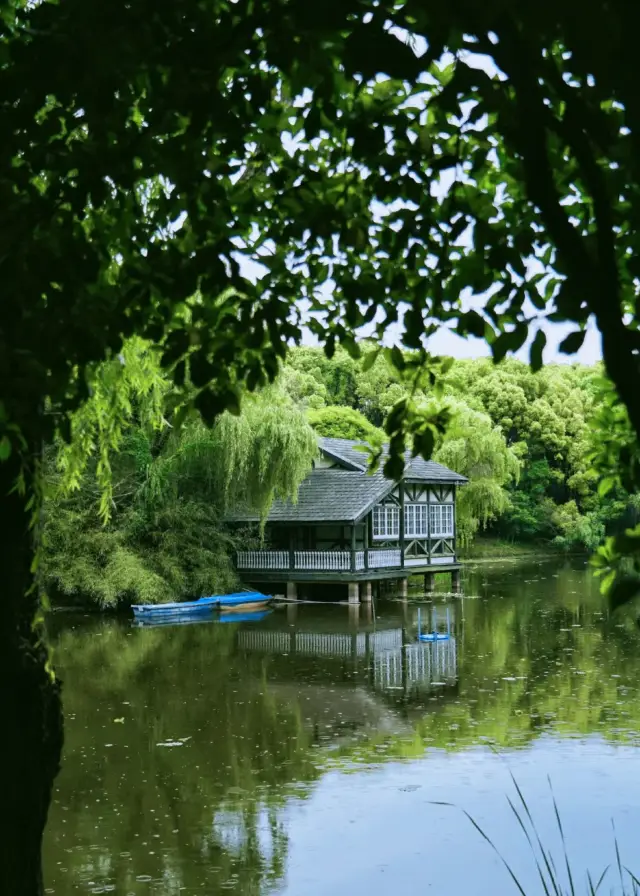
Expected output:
(30, 706)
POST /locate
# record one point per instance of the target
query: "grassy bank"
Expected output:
(498, 549)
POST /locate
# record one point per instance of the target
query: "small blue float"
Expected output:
(434, 634)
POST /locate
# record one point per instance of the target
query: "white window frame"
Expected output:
(441, 520)
(386, 522)
(416, 520)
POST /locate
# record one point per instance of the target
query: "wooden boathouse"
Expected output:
(349, 526)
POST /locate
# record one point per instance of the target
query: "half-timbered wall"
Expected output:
(385, 520)
(429, 522)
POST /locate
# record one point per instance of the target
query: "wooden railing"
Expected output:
(329, 561)
(262, 559)
(380, 559)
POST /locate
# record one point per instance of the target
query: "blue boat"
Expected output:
(229, 603)
(254, 616)
(199, 619)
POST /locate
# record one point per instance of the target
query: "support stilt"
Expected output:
(292, 613)
(366, 592)
(354, 593)
(455, 581)
(429, 582)
(292, 591)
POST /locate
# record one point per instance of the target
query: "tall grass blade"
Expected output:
(593, 890)
(497, 852)
(634, 879)
(522, 799)
(618, 859)
(488, 839)
(564, 843)
(545, 857)
(545, 865)
(532, 847)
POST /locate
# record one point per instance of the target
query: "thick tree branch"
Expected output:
(597, 276)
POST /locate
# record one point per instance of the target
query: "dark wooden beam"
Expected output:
(366, 541)
(353, 547)
(429, 523)
(401, 491)
(455, 529)
(332, 577)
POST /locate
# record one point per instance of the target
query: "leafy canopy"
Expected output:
(157, 531)
(340, 422)
(363, 154)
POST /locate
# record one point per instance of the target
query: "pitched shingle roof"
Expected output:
(353, 457)
(327, 496)
(345, 495)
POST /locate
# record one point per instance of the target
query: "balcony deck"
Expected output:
(342, 566)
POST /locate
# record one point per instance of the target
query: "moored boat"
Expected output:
(178, 608)
(243, 601)
(208, 618)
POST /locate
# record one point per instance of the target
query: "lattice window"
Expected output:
(386, 521)
(416, 520)
(441, 520)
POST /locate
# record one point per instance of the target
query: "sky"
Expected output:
(446, 341)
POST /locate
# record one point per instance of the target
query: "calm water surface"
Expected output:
(310, 753)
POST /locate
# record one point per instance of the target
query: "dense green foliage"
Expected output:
(136, 501)
(341, 422)
(161, 536)
(527, 441)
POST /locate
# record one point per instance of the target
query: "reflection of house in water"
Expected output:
(391, 661)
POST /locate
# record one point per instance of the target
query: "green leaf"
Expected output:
(605, 485)
(473, 323)
(5, 448)
(509, 342)
(393, 423)
(370, 359)
(424, 443)
(394, 467)
(537, 347)
(573, 342)
(397, 358)
(607, 581)
(232, 402)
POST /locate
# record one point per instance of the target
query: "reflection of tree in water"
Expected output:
(203, 807)
(539, 655)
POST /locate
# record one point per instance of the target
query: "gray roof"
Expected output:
(345, 495)
(327, 496)
(351, 455)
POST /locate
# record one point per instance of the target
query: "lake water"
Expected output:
(310, 753)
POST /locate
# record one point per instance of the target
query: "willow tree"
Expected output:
(476, 448)
(136, 511)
